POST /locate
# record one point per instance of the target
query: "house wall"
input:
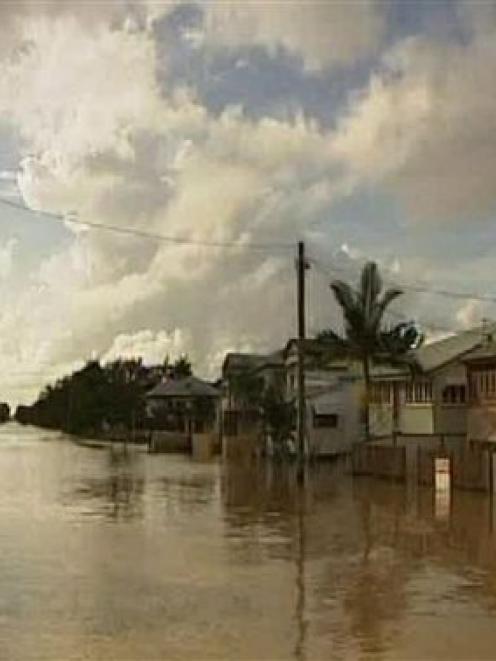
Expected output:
(436, 417)
(344, 400)
(417, 419)
(413, 418)
(313, 379)
(179, 416)
(481, 415)
(449, 418)
(381, 419)
(481, 422)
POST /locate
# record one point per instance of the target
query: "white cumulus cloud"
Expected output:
(425, 128)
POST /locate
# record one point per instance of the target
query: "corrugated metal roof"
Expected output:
(433, 355)
(436, 354)
(189, 386)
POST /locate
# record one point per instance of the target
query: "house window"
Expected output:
(327, 420)
(381, 393)
(482, 384)
(454, 394)
(418, 392)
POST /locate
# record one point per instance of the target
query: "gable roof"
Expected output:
(434, 355)
(189, 386)
(236, 362)
(311, 346)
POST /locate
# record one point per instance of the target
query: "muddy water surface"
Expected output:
(108, 556)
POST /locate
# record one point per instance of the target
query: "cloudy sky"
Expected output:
(366, 128)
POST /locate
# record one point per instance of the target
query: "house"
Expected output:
(333, 416)
(481, 407)
(244, 376)
(434, 400)
(187, 405)
(333, 390)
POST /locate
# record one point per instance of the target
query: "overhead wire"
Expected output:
(130, 231)
(419, 288)
(267, 246)
(433, 326)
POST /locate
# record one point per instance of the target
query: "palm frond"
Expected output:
(380, 307)
(344, 294)
(349, 303)
(370, 287)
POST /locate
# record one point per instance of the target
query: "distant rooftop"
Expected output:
(189, 386)
(251, 361)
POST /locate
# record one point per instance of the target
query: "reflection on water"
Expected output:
(108, 554)
(117, 494)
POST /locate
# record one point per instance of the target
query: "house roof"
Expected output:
(189, 386)
(241, 361)
(466, 345)
(486, 352)
(433, 355)
(310, 346)
(234, 362)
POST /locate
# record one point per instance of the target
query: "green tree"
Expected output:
(181, 368)
(4, 412)
(278, 414)
(366, 337)
(266, 401)
(246, 388)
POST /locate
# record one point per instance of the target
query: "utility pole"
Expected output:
(301, 267)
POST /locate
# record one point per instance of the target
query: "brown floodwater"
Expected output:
(106, 555)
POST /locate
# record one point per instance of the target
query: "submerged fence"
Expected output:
(379, 461)
(461, 468)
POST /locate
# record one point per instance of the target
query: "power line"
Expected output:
(401, 317)
(420, 289)
(129, 231)
(254, 246)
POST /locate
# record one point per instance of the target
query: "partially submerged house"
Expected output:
(433, 399)
(333, 391)
(187, 404)
(244, 377)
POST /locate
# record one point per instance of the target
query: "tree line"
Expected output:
(4, 412)
(99, 397)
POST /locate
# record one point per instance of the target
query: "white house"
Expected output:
(434, 400)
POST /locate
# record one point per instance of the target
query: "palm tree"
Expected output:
(366, 338)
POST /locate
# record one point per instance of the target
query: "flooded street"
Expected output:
(108, 556)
